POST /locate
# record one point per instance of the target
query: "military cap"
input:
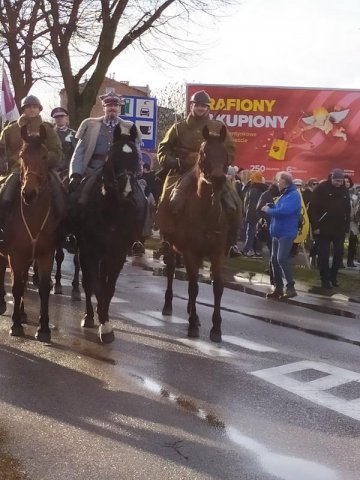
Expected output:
(30, 100)
(58, 112)
(111, 97)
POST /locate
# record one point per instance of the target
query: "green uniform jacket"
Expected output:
(184, 138)
(183, 141)
(11, 140)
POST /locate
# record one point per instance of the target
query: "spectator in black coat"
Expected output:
(257, 187)
(329, 213)
(268, 197)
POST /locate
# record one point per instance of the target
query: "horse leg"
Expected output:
(18, 287)
(88, 267)
(45, 264)
(59, 258)
(109, 272)
(170, 270)
(3, 265)
(75, 294)
(23, 314)
(218, 288)
(36, 275)
(192, 264)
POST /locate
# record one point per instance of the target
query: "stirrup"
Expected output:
(137, 249)
(164, 248)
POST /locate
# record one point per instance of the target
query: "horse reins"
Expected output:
(33, 239)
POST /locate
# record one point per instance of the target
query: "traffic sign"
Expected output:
(143, 112)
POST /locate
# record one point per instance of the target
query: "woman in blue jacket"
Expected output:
(284, 225)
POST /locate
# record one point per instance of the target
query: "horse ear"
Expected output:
(206, 132)
(133, 133)
(24, 134)
(42, 133)
(117, 133)
(223, 133)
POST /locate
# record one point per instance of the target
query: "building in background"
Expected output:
(110, 85)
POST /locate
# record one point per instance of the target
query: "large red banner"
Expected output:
(307, 132)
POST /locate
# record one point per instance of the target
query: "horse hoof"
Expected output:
(215, 336)
(2, 307)
(43, 336)
(88, 322)
(58, 290)
(167, 311)
(17, 331)
(193, 332)
(107, 337)
(76, 295)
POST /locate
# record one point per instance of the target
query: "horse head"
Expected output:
(34, 164)
(214, 158)
(122, 162)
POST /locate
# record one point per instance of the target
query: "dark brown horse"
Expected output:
(201, 232)
(30, 232)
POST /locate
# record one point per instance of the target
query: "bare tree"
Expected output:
(171, 106)
(85, 36)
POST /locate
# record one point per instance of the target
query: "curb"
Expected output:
(330, 310)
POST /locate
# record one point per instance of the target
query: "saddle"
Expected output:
(186, 184)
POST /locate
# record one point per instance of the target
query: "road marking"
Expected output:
(143, 319)
(118, 300)
(206, 348)
(242, 342)
(164, 318)
(315, 390)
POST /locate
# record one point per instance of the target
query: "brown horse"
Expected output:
(30, 232)
(201, 231)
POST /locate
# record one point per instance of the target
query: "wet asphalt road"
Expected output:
(155, 405)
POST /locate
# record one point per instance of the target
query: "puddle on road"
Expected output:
(284, 467)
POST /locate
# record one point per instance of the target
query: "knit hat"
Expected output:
(256, 177)
(298, 182)
(337, 173)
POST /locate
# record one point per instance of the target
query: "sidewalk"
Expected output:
(334, 305)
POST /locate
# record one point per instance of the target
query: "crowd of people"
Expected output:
(260, 213)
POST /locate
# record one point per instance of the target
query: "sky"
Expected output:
(303, 43)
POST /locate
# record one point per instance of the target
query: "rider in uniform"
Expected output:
(178, 155)
(11, 143)
(66, 135)
(95, 137)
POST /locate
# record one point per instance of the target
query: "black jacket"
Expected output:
(329, 210)
(251, 200)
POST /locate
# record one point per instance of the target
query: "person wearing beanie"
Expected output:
(256, 177)
(256, 188)
(329, 213)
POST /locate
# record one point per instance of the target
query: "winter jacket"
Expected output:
(87, 135)
(251, 200)
(329, 210)
(285, 214)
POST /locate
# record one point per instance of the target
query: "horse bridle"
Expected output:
(203, 171)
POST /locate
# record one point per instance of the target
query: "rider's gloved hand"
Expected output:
(3, 169)
(75, 180)
(172, 163)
